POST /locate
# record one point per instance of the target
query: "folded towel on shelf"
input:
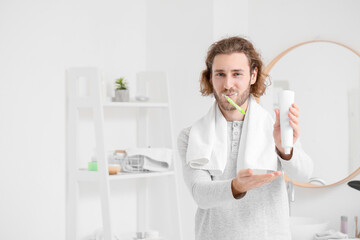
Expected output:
(207, 146)
(330, 234)
(155, 159)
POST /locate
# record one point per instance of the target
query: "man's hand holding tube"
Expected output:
(294, 123)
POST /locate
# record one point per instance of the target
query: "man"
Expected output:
(220, 151)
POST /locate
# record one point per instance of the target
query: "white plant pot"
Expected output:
(122, 95)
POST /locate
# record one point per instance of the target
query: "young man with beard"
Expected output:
(221, 150)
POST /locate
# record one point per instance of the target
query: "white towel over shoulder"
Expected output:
(207, 146)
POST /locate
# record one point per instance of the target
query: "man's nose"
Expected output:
(228, 83)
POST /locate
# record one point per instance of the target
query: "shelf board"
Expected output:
(93, 176)
(126, 175)
(136, 104)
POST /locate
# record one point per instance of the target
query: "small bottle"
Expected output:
(93, 166)
(344, 224)
(286, 99)
(352, 233)
(355, 228)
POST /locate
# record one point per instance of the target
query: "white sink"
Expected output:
(305, 228)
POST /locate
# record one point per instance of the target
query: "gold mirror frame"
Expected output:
(268, 69)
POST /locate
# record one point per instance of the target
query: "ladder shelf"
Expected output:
(92, 99)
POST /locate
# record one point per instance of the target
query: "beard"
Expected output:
(241, 99)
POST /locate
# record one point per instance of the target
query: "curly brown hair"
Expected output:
(234, 45)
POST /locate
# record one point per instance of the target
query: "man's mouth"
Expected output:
(230, 94)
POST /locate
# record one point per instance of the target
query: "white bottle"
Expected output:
(344, 224)
(286, 99)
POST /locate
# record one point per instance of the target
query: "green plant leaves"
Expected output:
(121, 84)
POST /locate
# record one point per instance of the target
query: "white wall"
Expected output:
(39, 40)
(230, 18)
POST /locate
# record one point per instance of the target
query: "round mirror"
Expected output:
(325, 76)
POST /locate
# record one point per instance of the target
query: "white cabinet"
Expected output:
(84, 92)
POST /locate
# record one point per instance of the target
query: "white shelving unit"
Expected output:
(155, 86)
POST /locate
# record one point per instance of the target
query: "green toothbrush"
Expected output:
(234, 104)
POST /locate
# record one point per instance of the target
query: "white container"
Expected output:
(344, 224)
(151, 235)
(286, 99)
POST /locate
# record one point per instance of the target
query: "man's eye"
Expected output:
(220, 74)
(237, 74)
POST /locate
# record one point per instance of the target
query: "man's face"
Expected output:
(231, 76)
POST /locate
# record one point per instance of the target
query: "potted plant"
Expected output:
(121, 90)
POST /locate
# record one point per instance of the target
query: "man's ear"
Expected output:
(253, 76)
